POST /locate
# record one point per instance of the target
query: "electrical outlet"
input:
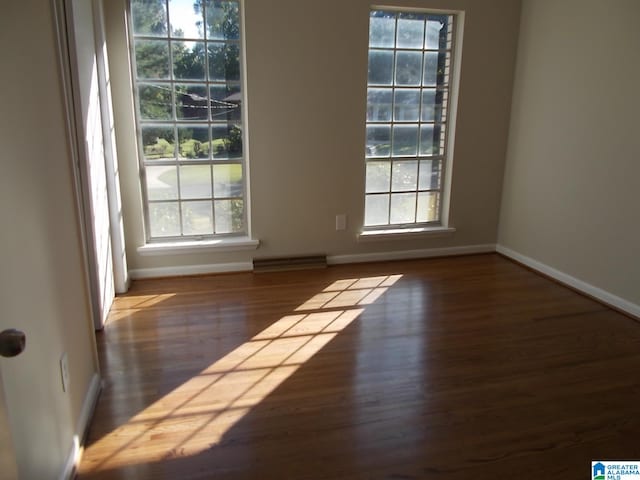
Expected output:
(341, 221)
(64, 372)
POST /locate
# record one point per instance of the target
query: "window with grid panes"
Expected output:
(187, 69)
(407, 102)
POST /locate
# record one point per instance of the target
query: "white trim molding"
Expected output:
(231, 267)
(183, 270)
(231, 244)
(410, 254)
(88, 407)
(566, 279)
(404, 233)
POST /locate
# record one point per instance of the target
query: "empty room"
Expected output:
(320, 240)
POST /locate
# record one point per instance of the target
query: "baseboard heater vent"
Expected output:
(289, 263)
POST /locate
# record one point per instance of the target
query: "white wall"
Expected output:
(572, 179)
(42, 278)
(306, 86)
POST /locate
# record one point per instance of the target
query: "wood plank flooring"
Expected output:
(455, 368)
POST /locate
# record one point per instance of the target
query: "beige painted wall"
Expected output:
(42, 279)
(572, 180)
(306, 86)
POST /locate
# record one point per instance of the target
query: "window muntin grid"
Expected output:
(187, 68)
(410, 58)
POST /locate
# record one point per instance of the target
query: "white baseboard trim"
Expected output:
(584, 287)
(72, 460)
(410, 254)
(190, 270)
(178, 271)
(88, 406)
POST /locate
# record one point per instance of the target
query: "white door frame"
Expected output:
(120, 272)
(8, 465)
(79, 154)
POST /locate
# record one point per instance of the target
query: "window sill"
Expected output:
(231, 244)
(404, 233)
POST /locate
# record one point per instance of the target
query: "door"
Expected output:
(96, 152)
(8, 465)
(91, 152)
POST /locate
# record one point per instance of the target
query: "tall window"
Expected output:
(187, 69)
(407, 103)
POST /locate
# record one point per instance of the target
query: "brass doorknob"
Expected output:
(12, 342)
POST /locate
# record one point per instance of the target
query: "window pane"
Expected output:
(162, 182)
(433, 102)
(405, 140)
(226, 103)
(407, 97)
(379, 104)
(229, 216)
(223, 20)
(149, 18)
(410, 31)
(446, 32)
(408, 68)
(405, 176)
(189, 97)
(158, 143)
(378, 140)
(376, 210)
(188, 60)
(429, 175)
(403, 208)
(432, 39)
(407, 105)
(431, 140)
(378, 177)
(152, 59)
(197, 218)
(192, 102)
(164, 219)
(427, 207)
(193, 142)
(227, 180)
(226, 141)
(430, 69)
(155, 102)
(382, 27)
(220, 91)
(195, 181)
(427, 146)
(224, 62)
(442, 77)
(380, 67)
(186, 18)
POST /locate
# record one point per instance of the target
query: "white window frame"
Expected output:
(187, 243)
(440, 225)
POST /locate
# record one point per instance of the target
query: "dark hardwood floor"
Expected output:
(464, 368)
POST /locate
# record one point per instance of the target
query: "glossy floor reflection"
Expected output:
(458, 368)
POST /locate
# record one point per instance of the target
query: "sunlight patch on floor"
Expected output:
(126, 306)
(195, 416)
